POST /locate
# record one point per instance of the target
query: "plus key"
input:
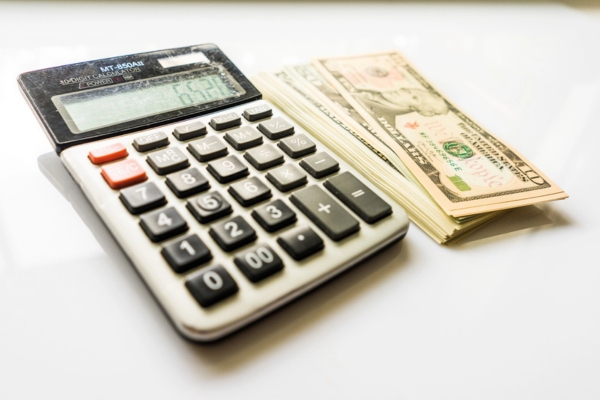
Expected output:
(324, 211)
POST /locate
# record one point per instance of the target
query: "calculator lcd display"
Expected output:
(111, 105)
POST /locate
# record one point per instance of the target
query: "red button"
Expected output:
(108, 153)
(123, 173)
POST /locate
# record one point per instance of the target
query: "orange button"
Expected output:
(108, 153)
(123, 173)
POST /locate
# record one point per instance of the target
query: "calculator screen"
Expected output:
(102, 107)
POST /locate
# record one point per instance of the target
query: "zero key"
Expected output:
(211, 285)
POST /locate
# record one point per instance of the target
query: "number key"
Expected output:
(227, 169)
(249, 191)
(258, 262)
(208, 207)
(186, 253)
(186, 183)
(163, 224)
(232, 233)
(274, 215)
(141, 198)
(211, 285)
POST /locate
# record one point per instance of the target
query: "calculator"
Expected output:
(226, 207)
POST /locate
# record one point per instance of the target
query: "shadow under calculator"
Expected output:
(235, 350)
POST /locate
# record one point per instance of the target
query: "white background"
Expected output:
(512, 313)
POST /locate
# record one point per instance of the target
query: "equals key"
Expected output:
(358, 197)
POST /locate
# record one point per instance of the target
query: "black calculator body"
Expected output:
(226, 207)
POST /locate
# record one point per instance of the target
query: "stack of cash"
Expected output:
(381, 116)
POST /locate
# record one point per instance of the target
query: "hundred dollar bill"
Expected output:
(466, 169)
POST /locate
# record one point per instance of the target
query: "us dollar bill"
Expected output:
(307, 77)
(464, 168)
(322, 118)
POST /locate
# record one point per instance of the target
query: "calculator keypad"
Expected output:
(301, 242)
(104, 154)
(208, 149)
(123, 173)
(244, 138)
(189, 131)
(225, 120)
(276, 128)
(258, 112)
(150, 142)
(238, 200)
(264, 157)
(320, 165)
(287, 177)
(168, 160)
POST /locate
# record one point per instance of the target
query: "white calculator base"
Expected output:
(252, 300)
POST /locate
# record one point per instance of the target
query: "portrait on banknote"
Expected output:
(465, 168)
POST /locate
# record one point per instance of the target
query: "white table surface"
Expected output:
(512, 313)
